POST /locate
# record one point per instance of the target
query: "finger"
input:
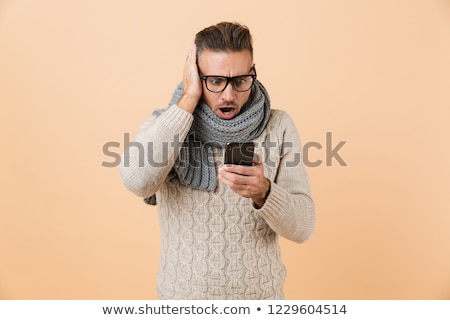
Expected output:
(233, 178)
(238, 169)
(257, 159)
(193, 57)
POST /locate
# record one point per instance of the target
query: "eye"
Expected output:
(241, 81)
(216, 81)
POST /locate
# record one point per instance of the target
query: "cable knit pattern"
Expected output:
(215, 244)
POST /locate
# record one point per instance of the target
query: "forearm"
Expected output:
(290, 215)
(289, 208)
(148, 160)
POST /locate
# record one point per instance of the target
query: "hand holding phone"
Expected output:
(248, 182)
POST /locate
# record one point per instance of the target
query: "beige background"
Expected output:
(75, 75)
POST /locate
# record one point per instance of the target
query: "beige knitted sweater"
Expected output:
(217, 245)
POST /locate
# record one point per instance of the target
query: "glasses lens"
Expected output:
(216, 84)
(243, 83)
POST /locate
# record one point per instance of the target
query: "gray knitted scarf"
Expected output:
(194, 166)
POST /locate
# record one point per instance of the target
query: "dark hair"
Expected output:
(224, 37)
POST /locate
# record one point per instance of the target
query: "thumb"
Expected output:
(257, 159)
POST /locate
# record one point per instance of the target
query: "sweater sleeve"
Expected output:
(289, 208)
(147, 160)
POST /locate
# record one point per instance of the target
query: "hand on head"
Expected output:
(192, 85)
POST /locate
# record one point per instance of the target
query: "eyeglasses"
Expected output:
(218, 84)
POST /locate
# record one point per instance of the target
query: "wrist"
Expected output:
(188, 102)
(259, 201)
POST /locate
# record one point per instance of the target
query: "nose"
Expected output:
(228, 94)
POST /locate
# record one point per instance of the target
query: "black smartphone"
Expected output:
(239, 153)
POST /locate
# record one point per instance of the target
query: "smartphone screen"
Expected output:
(239, 153)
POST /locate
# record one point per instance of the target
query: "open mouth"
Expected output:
(226, 110)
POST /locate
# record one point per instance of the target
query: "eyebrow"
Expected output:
(214, 75)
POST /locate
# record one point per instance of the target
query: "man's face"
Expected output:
(226, 104)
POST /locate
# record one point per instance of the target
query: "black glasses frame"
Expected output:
(229, 79)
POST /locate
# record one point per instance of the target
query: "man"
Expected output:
(220, 223)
